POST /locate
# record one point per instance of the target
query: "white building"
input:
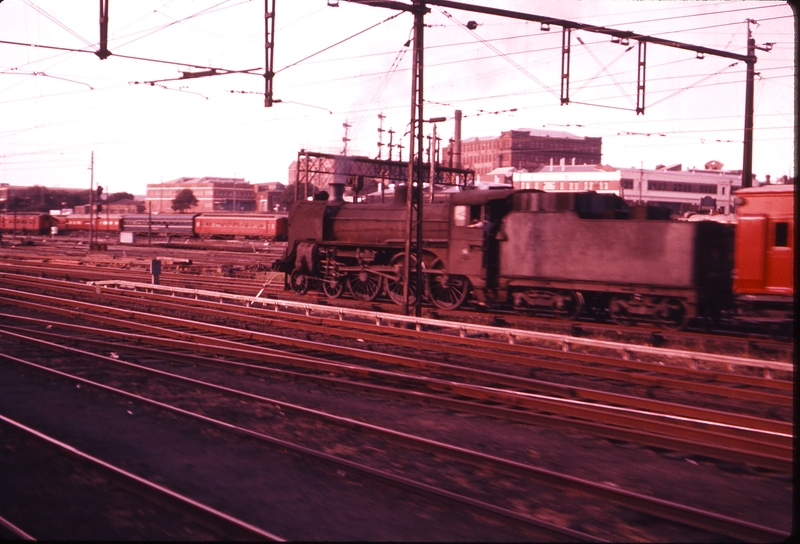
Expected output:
(679, 190)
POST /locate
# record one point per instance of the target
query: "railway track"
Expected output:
(213, 278)
(653, 506)
(737, 433)
(652, 374)
(413, 374)
(106, 490)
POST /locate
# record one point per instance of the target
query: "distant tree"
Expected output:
(184, 200)
(17, 204)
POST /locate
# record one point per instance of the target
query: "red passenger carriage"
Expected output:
(79, 222)
(33, 223)
(249, 225)
(763, 277)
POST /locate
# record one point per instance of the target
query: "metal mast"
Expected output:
(413, 253)
(103, 52)
(269, 49)
(747, 154)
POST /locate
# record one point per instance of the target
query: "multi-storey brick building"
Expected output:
(269, 196)
(212, 194)
(525, 149)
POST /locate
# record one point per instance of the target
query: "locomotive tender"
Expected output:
(558, 254)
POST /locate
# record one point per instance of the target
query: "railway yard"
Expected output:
(214, 404)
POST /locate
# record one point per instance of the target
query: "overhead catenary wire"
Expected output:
(206, 11)
(59, 23)
(338, 43)
(169, 62)
(501, 54)
(451, 98)
(385, 81)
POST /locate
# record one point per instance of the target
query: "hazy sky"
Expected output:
(56, 107)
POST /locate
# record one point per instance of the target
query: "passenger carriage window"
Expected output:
(781, 234)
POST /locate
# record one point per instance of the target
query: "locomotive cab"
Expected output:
(475, 226)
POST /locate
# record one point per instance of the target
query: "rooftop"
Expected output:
(533, 132)
(577, 168)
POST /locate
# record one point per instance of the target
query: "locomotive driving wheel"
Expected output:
(333, 287)
(299, 282)
(394, 284)
(446, 291)
(364, 284)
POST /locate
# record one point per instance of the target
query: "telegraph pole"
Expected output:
(747, 154)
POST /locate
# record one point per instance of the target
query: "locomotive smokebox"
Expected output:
(336, 192)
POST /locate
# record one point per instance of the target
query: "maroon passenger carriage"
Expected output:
(27, 222)
(246, 225)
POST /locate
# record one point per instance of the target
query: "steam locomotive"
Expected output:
(559, 254)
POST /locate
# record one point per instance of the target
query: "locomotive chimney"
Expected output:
(337, 192)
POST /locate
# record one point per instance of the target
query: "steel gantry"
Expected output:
(419, 8)
(269, 50)
(319, 170)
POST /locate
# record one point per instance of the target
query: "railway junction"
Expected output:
(216, 405)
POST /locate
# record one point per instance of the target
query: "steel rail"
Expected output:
(744, 424)
(771, 452)
(101, 274)
(18, 533)
(479, 347)
(679, 414)
(666, 509)
(180, 280)
(518, 354)
(208, 515)
(458, 328)
(758, 453)
(419, 487)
